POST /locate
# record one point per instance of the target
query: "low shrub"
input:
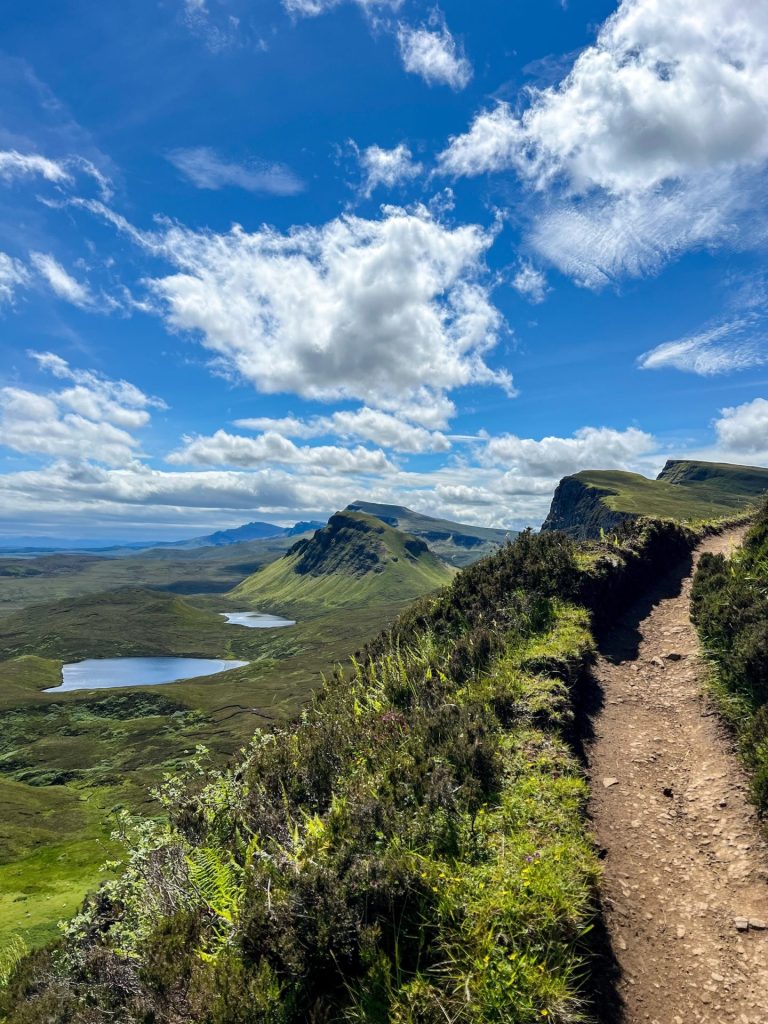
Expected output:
(413, 850)
(730, 609)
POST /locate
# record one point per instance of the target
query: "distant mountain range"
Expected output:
(222, 538)
(458, 544)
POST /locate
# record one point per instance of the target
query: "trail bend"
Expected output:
(686, 862)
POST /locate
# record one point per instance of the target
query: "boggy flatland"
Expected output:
(686, 864)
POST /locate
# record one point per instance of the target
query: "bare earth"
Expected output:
(686, 866)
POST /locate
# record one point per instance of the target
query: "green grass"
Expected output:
(687, 492)
(355, 561)
(459, 544)
(54, 841)
(28, 581)
(414, 848)
(74, 757)
(729, 603)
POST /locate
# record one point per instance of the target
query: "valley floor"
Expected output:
(686, 866)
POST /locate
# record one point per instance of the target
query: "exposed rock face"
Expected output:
(579, 511)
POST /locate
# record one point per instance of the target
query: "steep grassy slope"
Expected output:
(355, 560)
(84, 755)
(459, 544)
(414, 849)
(686, 492)
(730, 610)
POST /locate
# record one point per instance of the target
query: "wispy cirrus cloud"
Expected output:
(314, 8)
(13, 275)
(729, 346)
(61, 282)
(16, 166)
(206, 169)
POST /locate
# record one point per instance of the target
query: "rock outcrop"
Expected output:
(580, 511)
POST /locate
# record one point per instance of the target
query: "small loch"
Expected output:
(257, 620)
(111, 673)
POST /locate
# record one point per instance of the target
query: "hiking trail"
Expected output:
(685, 887)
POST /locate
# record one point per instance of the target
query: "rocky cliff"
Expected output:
(578, 509)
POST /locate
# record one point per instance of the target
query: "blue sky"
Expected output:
(258, 260)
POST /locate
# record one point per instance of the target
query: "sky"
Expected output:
(261, 259)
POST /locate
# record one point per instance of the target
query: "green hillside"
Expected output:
(683, 490)
(354, 560)
(457, 543)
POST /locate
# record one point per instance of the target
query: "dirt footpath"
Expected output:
(686, 866)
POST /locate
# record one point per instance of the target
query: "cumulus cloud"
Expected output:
(530, 283)
(724, 348)
(224, 449)
(207, 170)
(554, 457)
(60, 281)
(434, 54)
(662, 122)
(360, 424)
(388, 167)
(395, 312)
(743, 429)
(89, 489)
(90, 419)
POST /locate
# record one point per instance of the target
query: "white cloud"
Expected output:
(92, 419)
(313, 8)
(13, 275)
(90, 490)
(743, 429)
(530, 283)
(652, 144)
(34, 424)
(554, 457)
(217, 36)
(206, 169)
(387, 167)
(734, 345)
(395, 312)
(288, 426)
(361, 424)
(224, 449)
(60, 282)
(389, 431)
(491, 144)
(434, 54)
(19, 165)
(15, 165)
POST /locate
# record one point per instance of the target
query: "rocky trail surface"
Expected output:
(686, 864)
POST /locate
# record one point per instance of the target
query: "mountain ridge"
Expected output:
(457, 543)
(355, 558)
(592, 501)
